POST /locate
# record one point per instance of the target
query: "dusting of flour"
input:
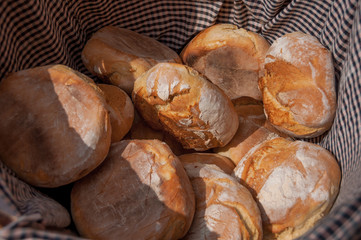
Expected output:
(286, 185)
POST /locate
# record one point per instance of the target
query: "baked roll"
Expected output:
(230, 57)
(141, 191)
(121, 110)
(224, 208)
(119, 56)
(54, 126)
(295, 184)
(298, 87)
(175, 98)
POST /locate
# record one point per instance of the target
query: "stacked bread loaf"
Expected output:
(199, 145)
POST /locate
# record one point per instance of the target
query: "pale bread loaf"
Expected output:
(295, 184)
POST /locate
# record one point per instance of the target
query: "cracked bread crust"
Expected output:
(141, 191)
(298, 87)
(224, 208)
(177, 99)
(295, 184)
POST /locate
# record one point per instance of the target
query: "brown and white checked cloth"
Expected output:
(40, 32)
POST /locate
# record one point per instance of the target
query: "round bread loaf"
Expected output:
(54, 126)
(230, 57)
(119, 56)
(175, 98)
(295, 184)
(224, 208)
(141, 191)
(121, 110)
(253, 130)
(298, 87)
(224, 163)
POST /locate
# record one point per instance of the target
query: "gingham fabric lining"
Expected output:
(40, 32)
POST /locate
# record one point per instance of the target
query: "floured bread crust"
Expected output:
(121, 110)
(230, 57)
(179, 100)
(119, 56)
(220, 161)
(294, 182)
(54, 126)
(298, 87)
(141, 191)
(253, 130)
(224, 208)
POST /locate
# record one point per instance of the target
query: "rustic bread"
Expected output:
(177, 99)
(54, 126)
(141, 191)
(119, 56)
(224, 208)
(121, 110)
(298, 87)
(295, 184)
(230, 57)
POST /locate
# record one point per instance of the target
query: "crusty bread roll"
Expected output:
(141, 191)
(54, 126)
(295, 184)
(224, 208)
(121, 110)
(174, 97)
(119, 56)
(230, 57)
(224, 163)
(298, 87)
(253, 130)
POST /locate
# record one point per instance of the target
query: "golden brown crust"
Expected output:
(141, 191)
(55, 126)
(230, 57)
(298, 86)
(224, 163)
(119, 56)
(177, 99)
(253, 130)
(121, 110)
(140, 130)
(294, 182)
(224, 208)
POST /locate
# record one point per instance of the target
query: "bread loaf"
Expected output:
(224, 208)
(298, 87)
(54, 126)
(141, 191)
(295, 184)
(175, 98)
(230, 57)
(121, 110)
(119, 56)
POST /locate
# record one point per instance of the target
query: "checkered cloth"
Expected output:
(41, 32)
